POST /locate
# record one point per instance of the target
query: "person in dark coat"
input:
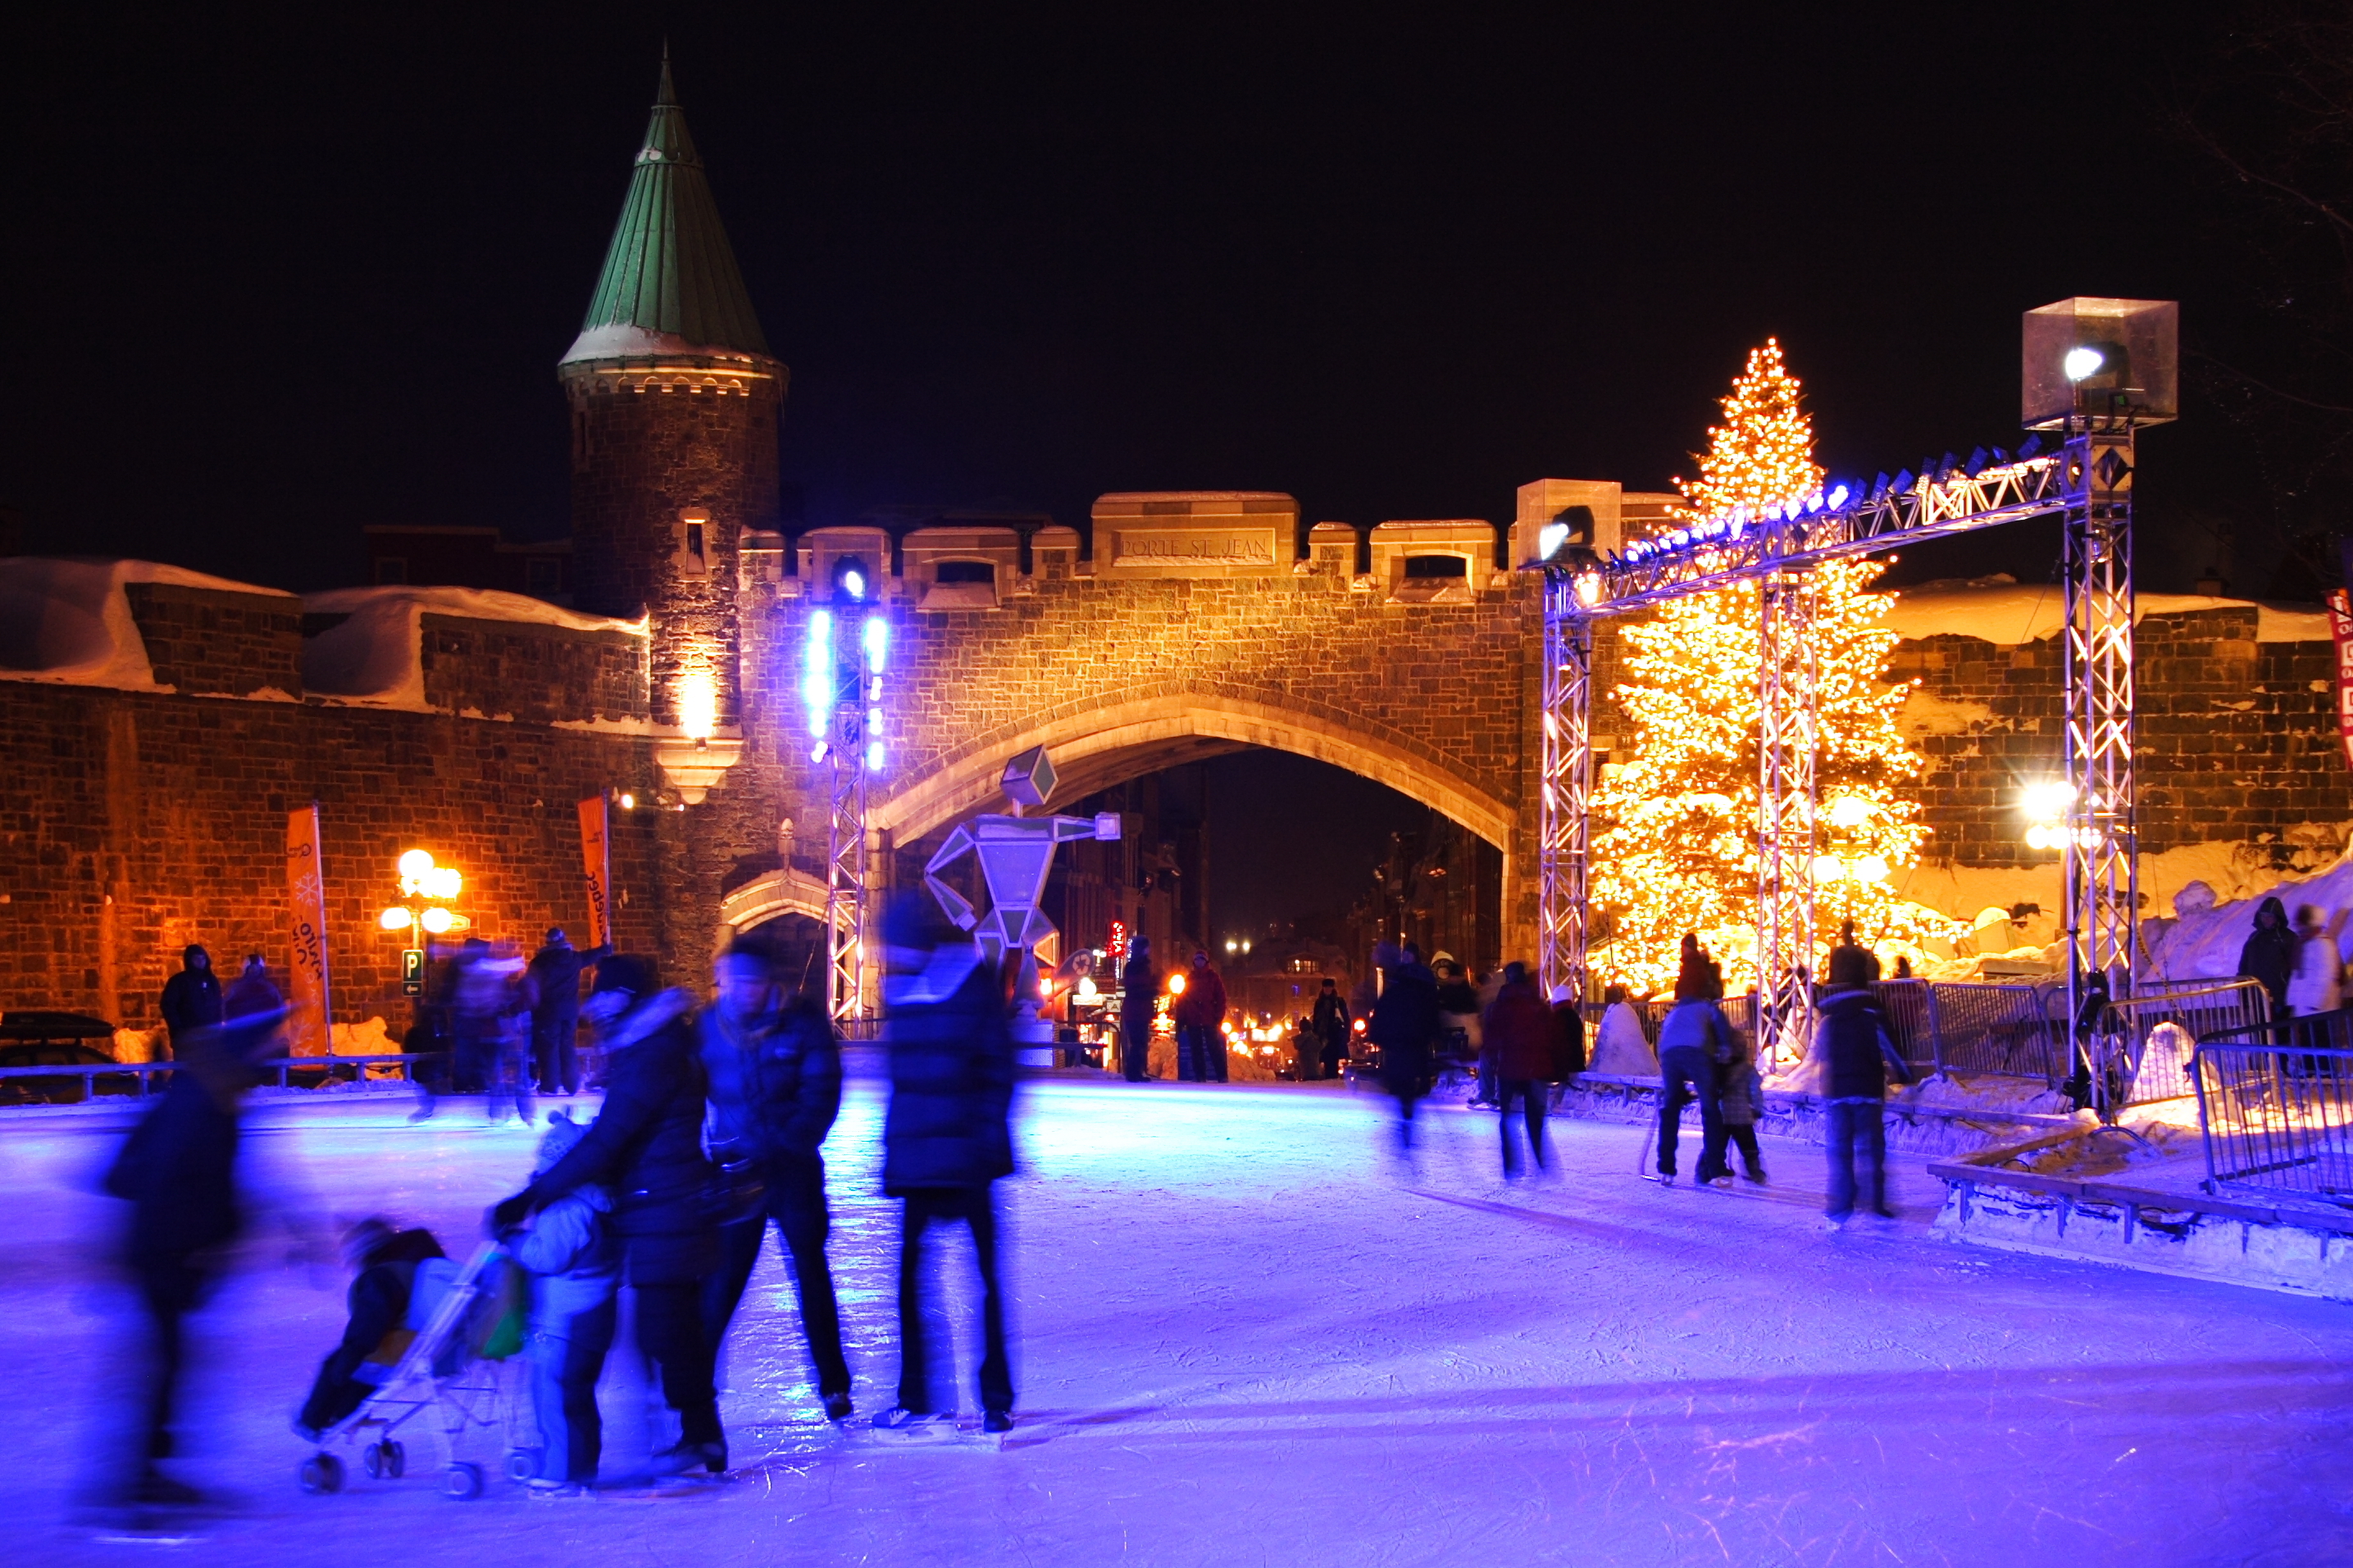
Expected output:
(2269, 954)
(384, 1262)
(1859, 1057)
(775, 1071)
(1403, 1024)
(1695, 1043)
(1516, 1041)
(554, 975)
(1330, 1021)
(1139, 989)
(192, 998)
(946, 1139)
(177, 1170)
(646, 1149)
(253, 994)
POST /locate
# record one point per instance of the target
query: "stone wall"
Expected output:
(2236, 737)
(142, 823)
(533, 674)
(216, 644)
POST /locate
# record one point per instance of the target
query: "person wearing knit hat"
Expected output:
(574, 1257)
(1859, 1057)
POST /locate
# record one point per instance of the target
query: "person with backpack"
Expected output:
(1859, 1057)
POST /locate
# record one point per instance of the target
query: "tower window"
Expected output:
(694, 543)
(1435, 566)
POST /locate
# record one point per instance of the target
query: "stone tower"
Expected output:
(675, 401)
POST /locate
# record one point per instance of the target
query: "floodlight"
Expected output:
(2081, 362)
(2116, 361)
(878, 643)
(1870, 869)
(1847, 811)
(2047, 800)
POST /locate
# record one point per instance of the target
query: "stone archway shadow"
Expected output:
(1099, 747)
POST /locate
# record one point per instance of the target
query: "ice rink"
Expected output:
(1244, 1338)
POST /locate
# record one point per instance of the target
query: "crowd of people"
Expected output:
(709, 1132)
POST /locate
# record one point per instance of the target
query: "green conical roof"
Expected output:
(671, 284)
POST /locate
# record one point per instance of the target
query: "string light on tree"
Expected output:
(1679, 850)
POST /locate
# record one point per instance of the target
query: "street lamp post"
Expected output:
(423, 913)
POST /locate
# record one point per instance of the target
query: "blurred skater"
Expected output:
(1694, 1045)
(1859, 1058)
(646, 1147)
(554, 974)
(492, 1023)
(575, 1261)
(1403, 1025)
(1516, 1046)
(775, 1069)
(178, 1171)
(946, 1139)
(1139, 988)
(1740, 1105)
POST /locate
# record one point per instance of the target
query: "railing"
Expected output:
(1943, 1025)
(329, 1068)
(2275, 1105)
(2134, 1074)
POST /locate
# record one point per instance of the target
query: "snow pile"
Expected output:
(376, 655)
(2006, 613)
(2203, 943)
(1990, 1092)
(1620, 1049)
(67, 620)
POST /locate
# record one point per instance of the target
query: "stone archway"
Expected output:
(1097, 747)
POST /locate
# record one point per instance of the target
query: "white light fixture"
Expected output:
(2082, 362)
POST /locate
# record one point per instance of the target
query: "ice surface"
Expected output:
(1242, 1342)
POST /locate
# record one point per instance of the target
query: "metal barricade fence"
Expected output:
(2276, 1104)
(1998, 1030)
(2133, 1074)
(282, 1070)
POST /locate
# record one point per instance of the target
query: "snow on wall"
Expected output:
(2009, 614)
(376, 657)
(67, 620)
(2203, 943)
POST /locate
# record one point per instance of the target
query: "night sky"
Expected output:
(283, 272)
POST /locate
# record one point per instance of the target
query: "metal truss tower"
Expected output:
(1788, 749)
(2102, 826)
(1563, 861)
(845, 875)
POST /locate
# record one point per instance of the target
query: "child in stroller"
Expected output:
(400, 1277)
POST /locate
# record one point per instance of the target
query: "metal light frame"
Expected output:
(2089, 481)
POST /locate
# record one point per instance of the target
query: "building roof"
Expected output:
(671, 285)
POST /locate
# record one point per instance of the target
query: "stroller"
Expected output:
(453, 1377)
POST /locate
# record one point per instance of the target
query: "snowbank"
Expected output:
(374, 657)
(2009, 614)
(2203, 943)
(67, 620)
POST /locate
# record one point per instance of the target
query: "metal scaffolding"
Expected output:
(844, 874)
(2089, 481)
(1562, 854)
(2102, 826)
(1787, 754)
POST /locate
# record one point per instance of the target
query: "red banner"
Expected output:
(2341, 627)
(597, 860)
(308, 1015)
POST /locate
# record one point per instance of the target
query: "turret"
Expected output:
(675, 400)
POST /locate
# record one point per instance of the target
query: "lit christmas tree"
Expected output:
(1679, 851)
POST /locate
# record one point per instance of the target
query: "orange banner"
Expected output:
(596, 859)
(308, 1013)
(2340, 627)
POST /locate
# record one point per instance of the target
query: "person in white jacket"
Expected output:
(2316, 985)
(575, 1261)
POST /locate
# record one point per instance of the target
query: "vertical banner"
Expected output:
(597, 860)
(2340, 627)
(307, 1017)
